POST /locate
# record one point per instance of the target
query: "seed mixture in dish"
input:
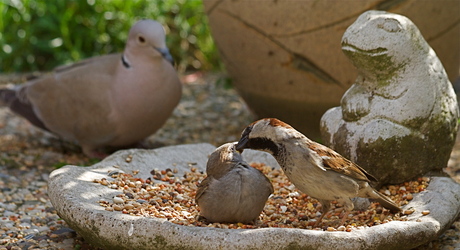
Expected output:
(166, 195)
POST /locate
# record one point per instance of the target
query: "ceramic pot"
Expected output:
(285, 57)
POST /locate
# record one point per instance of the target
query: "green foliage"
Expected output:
(88, 162)
(42, 34)
(60, 165)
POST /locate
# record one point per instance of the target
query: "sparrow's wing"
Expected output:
(331, 160)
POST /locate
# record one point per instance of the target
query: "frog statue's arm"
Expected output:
(355, 102)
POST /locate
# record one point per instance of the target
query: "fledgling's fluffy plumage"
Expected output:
(233, 191)
(113, 100)
(313, 168)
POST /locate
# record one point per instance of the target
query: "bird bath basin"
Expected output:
(76, 199)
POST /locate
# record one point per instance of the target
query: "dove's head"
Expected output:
(147, 37)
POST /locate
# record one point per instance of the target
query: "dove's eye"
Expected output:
(390, 25)
(141, 39)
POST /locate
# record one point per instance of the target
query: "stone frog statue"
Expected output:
(399, 119)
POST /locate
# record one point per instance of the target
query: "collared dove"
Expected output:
(107, 101)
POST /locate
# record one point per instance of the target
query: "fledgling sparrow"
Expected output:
(233, 191)
(314, 169)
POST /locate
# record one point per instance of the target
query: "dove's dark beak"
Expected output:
(166, 55)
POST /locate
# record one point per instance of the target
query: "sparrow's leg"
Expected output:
(325, 207)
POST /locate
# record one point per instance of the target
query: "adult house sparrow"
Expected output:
(113, 100)
(233, 191)
(314, 169)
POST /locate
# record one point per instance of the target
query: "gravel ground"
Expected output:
(208, 112)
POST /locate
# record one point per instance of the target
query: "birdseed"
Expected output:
(168, 196)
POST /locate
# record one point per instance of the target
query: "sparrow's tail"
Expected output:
(385, 201)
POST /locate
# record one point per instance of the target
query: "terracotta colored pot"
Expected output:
(285, 57)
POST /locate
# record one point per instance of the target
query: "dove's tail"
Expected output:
(5, 97)
(10, 98)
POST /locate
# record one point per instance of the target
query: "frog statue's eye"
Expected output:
(390, 25)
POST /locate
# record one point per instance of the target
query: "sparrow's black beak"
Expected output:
(242, 143)
(244, 140)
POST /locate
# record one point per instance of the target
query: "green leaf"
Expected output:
(101, 28)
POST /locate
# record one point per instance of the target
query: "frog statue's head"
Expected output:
(381, 44)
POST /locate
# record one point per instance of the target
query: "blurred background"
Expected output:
(38, 35)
